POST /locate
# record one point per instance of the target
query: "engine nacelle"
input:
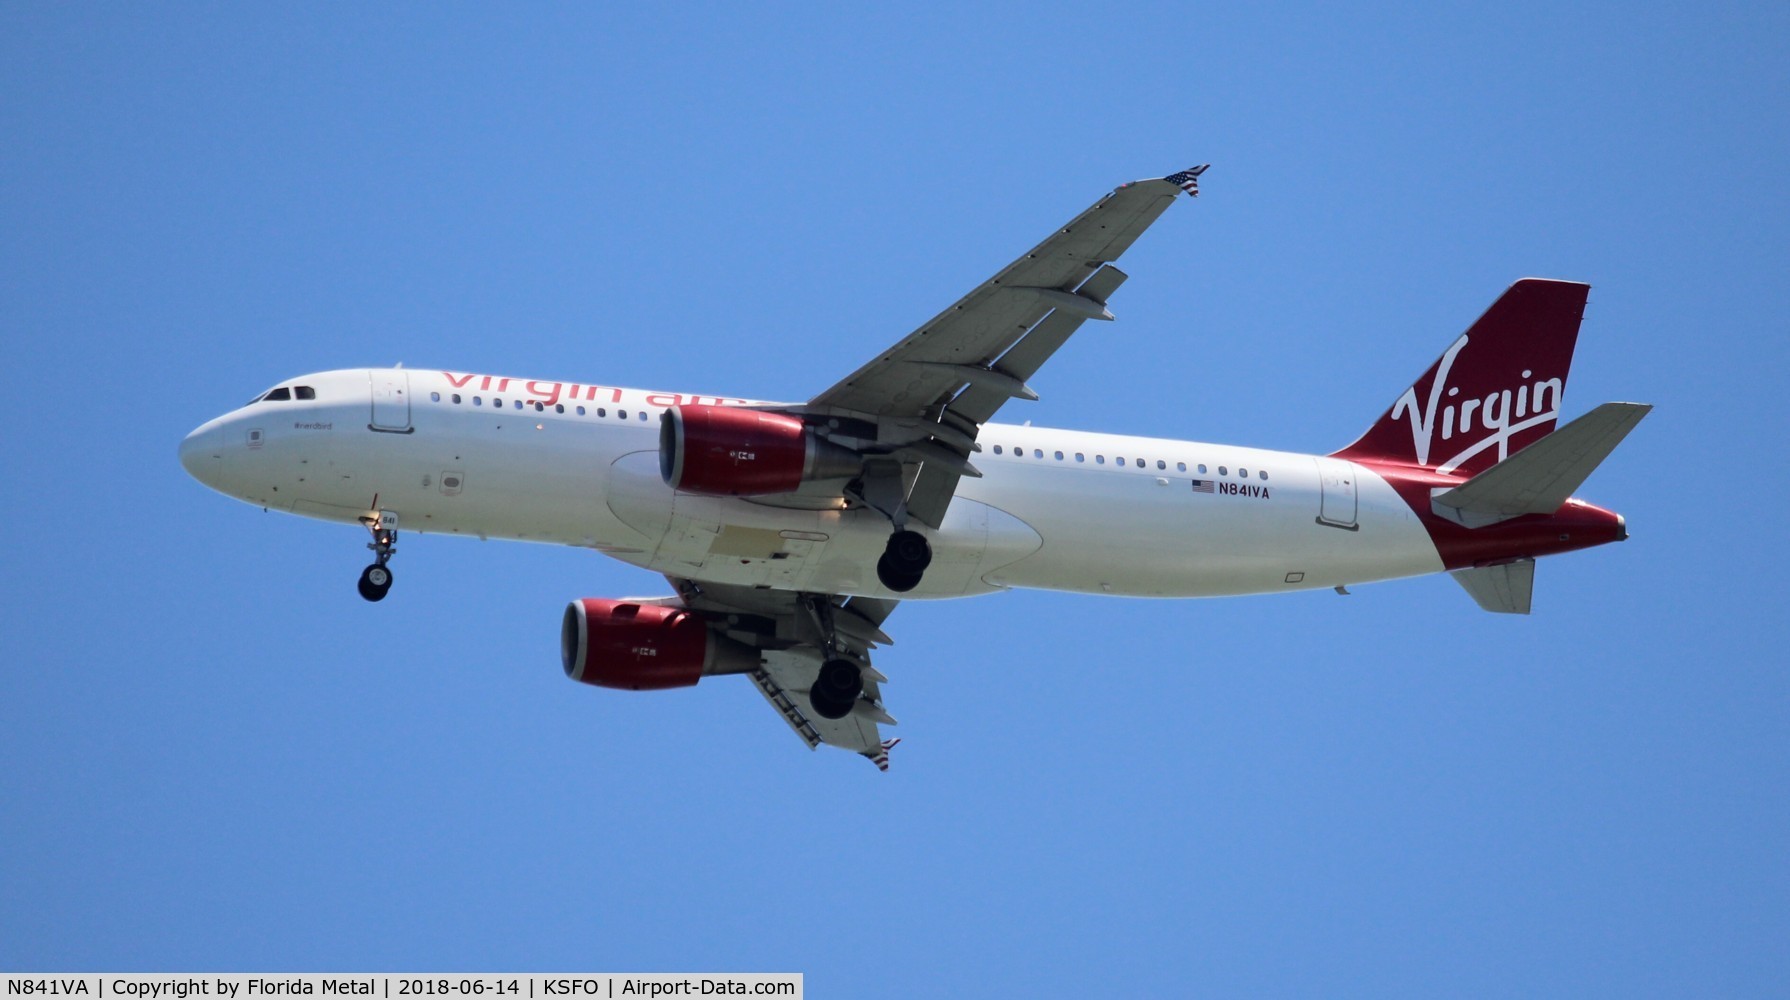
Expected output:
(735, 452)
(644, 647)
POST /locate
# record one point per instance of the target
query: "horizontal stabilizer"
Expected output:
(1538, 479)
(1505, 589)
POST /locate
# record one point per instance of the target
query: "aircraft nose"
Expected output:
(202, 454)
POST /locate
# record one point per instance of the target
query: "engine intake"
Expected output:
(731, 451)
(644, 647)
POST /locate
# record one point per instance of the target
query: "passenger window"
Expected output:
(1140, 463)
(602, 411)
(518, 404)
(1202, 468)
(1099, 459)
(540, 407)
(1119, 461)
(1180, 466)
(497, 402)
(997, 449)
(559, 407)
(1222, 471)
(456, 398)
(476, 401)
(1037, 452)
(581, 411)
(435, 397)
(1079, 457)
(643, 414)
(1243, 473)
(1263, 475)
(1160, 464)
(622, 414)
(1059, 456)
(306, 392)
(280, 395)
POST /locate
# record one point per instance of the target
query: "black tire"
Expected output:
(893, 578)
(836, 689)
(375, 582)
(908, 553)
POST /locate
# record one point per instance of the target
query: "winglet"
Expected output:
(880, 756)
(1189, 179)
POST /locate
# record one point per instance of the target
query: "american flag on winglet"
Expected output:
(1203, 486)
(881, 757)
(1189, 179)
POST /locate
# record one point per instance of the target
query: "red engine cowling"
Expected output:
(731, 451)
(644, 647)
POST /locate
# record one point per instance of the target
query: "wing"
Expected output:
(786, 628)
(918, 407)
(931, 392)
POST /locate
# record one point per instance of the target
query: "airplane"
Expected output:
(790, 531)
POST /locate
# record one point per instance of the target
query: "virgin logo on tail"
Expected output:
(1531, 405)
(1496, 390)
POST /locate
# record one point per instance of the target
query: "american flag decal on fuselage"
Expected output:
(1189, 179)
(1203, 486)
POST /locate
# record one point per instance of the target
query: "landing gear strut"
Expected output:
(376, 579)
(840, 681)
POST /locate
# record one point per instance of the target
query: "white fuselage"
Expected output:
(1054, 509)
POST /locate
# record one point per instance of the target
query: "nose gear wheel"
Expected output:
(376, 580)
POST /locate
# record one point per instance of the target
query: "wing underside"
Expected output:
(790, 631)
(930, 393)
(913, 414)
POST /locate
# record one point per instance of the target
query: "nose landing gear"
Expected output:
(376, 579)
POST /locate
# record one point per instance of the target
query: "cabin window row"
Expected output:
(1119, 461)
(603, 412)
(539, 407)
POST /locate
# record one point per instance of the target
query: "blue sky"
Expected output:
(213, 755)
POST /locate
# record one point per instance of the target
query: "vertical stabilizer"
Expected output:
(1497, 389)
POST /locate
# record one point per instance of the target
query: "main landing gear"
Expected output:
(836, 688)
(840, 681)
(908, 554)
(376, 579)
(904, 561)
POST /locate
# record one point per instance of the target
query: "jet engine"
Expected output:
(644, 647)
(732, 451)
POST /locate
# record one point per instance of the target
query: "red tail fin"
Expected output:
(1494, 391)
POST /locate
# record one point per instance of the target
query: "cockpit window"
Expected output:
(304, 392)
(280, 395)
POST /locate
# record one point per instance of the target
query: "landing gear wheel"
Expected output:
(375, 581)
(904, 561)
(836, 689)
(900, 583)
